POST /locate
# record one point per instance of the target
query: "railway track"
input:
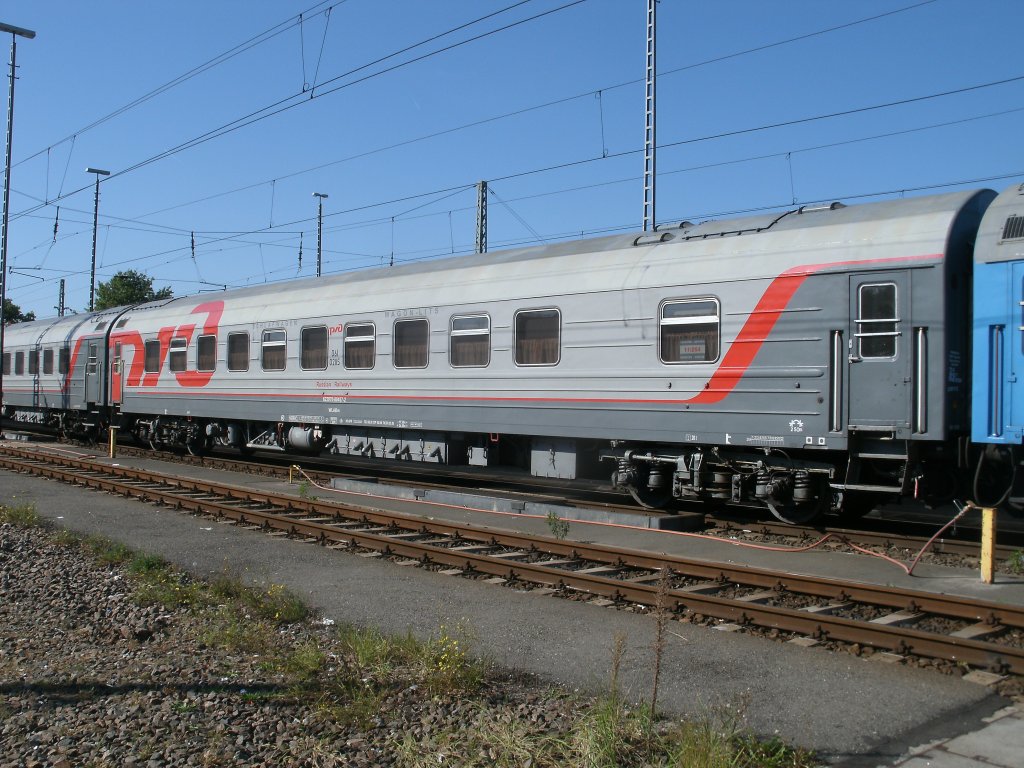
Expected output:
(881, 535)
(964, 542)
(963, 631)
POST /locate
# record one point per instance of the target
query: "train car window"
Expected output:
(19, 363)
(33, 362)
(206, 353)
(275, 350)
(469, 344)
(876, 320)
(313, 344)
(238, 351)
(411, 344)
(690, 330)
(47, 362)
(538, 336)
(360, 346)
(7, 363)
(152, 364)
(62, 361)
(178, 353)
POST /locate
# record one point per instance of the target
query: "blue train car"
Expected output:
(998, 391)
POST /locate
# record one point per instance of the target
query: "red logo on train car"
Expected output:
(137, 375)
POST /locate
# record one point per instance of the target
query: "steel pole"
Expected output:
(7, 202)
(95, 226)
(319, 233)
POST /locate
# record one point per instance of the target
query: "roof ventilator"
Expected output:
(1014, 228)
(823, 207)
(653, 238)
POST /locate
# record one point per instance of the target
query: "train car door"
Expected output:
(115, 375)
(92, 379)
(879, 353)
(1014, 359)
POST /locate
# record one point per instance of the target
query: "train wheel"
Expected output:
(650, 499)
(196, 447)
(793, 513)
(856, 505)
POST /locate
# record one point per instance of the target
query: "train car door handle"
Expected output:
(854, 359)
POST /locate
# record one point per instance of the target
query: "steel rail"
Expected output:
(825, 626)
(949, 544)
(944, 545)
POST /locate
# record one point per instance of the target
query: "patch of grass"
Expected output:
(107, 552)
(559, 528)
(609, 734)
(306, 492)
(184, 706)
(227, 628)
(65, 538)
(490, 739)
(168, 589)
(20, 515)
(303, 665)
(445, 661)
(1015, 562)
(274, 602)
(707, 746)
(144, 565)
(375, 653)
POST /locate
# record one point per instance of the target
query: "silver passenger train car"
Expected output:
(801, 361)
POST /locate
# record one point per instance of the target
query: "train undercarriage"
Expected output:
(795, 487)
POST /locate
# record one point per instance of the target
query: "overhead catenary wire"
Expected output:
(220, 58)
(916, 5)
(556, 102)
(455, 190)
(296, 99)
(689, 141)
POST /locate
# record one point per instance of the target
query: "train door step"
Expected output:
(870, 488)
(884, 456)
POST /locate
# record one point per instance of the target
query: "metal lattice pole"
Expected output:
(319, 231)
(650, 141)
(29, 34)
(481, 217)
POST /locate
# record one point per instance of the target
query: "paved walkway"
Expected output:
(998, 744)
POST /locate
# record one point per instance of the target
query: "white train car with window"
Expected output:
(805, 360)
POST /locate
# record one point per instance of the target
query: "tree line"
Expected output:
(124, 288)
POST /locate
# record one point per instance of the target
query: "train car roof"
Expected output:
(1001, 235)
(755, 246)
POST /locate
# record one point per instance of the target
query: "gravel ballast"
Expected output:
(91, 677)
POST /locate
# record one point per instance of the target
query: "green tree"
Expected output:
(13, 314)
(128, 287)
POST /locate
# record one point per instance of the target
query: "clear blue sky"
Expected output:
(396, 192)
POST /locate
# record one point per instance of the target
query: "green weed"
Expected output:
(20, 515)
(1015, 562)
(559, 528)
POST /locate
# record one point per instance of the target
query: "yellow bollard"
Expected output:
(113, 441)
(291, 474)
(988, 544)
